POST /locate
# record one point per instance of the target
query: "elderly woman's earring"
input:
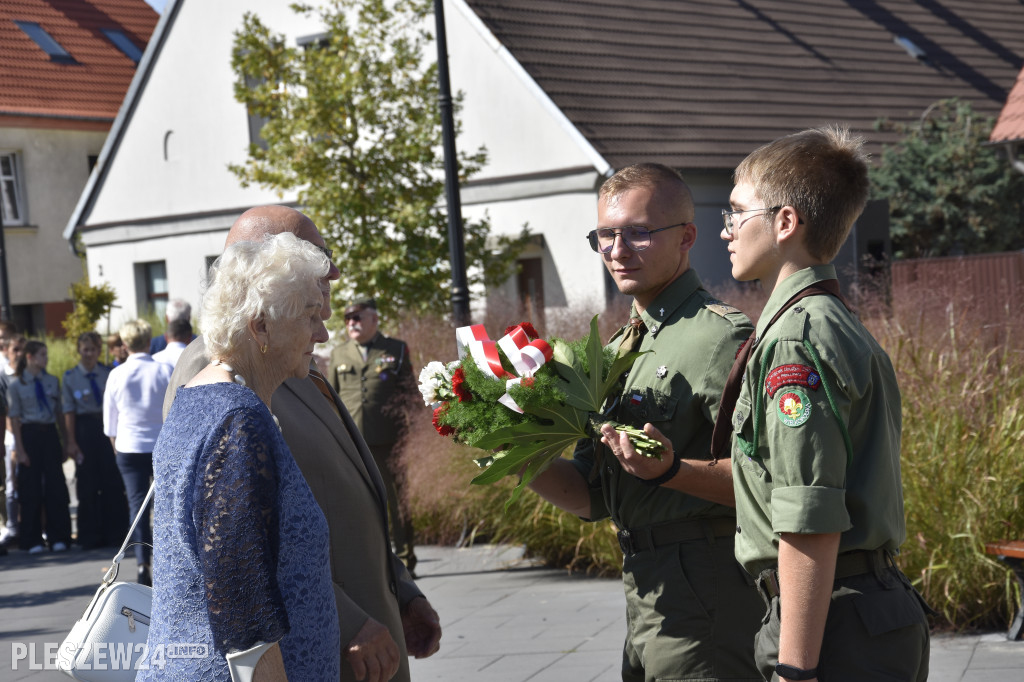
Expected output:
(263, 349)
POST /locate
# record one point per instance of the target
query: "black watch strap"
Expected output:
(790, 673)
(667, 476)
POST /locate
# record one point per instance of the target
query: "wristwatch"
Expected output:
(790, 673)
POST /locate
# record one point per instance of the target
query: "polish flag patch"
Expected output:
(636, 399)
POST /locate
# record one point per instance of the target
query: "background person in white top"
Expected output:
(179, 334)
(9, 535)
(132, 417)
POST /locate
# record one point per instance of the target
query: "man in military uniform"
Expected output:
(691, 611)
(817, 426)
(372, 374)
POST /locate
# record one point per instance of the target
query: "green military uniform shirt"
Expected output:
(693, 340)
(77, 392)
(812, 471)
(373, 389)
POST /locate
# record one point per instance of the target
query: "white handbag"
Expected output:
(108, 643)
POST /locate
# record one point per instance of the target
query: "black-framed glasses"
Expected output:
(327, 252)
(636, 237)
(731, 225)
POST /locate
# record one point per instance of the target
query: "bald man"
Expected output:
(383, 616)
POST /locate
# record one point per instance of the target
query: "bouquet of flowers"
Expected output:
(525, 399)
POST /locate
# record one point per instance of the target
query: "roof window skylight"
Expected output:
(123, 43)
(45, 41)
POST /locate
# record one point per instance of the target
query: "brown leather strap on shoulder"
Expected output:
(723, 422)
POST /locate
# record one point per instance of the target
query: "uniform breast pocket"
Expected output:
(640, 406)
(345, 372)
(743, 436)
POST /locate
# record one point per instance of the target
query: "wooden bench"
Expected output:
(1011, 553)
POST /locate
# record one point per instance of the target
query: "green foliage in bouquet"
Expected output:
(554, 425)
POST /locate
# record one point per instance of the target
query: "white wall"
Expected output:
(53, 170)
(189, 102)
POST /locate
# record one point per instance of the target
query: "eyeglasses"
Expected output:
(636, 237)
(327, 252)
(353, 317)
(731, 227)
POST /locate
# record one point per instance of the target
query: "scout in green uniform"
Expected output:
(102, 505)
(691, 611)
(817, 425)
(372, 374)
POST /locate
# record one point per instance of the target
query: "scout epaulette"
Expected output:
(719, 308)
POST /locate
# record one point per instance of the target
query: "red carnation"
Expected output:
(527, 382)
(442, 429)
(531, 333)
(458, 387)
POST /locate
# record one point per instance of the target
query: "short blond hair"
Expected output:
(822, 173)
(654, 176)
(257, 279)
(136, 335)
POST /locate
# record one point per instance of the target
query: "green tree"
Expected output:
(91, 303)
(949, 193)
(352, 123)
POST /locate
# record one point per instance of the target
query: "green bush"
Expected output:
(91, 304)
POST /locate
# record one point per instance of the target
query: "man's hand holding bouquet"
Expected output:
(526, 399)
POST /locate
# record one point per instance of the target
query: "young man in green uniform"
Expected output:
(372, 374)
(817, 425)
(691, 612)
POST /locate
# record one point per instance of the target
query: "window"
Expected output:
(151, 281)
(256, 122)
(11, 209)
(123, 43)
(531, 289)
(45, 41)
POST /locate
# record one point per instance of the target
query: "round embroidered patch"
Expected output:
(793, 407)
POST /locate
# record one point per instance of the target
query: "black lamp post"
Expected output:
(460, 287)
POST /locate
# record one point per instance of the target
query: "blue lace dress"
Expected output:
(240, 545)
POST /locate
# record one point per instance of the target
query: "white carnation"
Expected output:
(432, 377)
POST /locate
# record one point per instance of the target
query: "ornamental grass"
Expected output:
(962, 384)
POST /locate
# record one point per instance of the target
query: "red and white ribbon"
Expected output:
(473, 339)
(526, 356)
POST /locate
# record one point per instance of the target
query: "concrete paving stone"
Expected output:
(1002, 655)
(578, 669)
(514, 668)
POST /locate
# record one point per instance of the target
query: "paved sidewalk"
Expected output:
(504, 619)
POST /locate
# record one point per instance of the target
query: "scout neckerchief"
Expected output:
(632, 338)
(723, 422)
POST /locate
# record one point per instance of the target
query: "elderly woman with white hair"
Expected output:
(241, 560)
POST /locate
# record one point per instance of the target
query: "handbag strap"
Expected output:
(112, 571)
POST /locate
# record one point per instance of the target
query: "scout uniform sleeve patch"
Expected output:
(793, 407)
(791, 375)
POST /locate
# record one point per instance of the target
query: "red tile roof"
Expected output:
(699, 84)
(1010, 126)
(90, 87)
